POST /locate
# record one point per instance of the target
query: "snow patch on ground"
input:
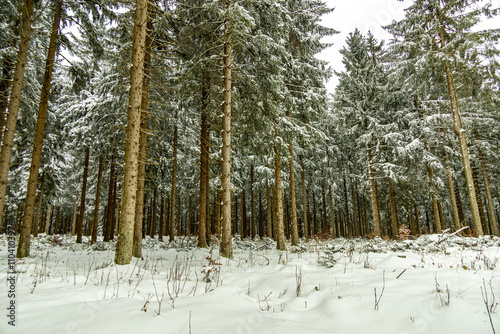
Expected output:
(427, 285)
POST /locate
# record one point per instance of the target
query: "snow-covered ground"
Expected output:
(421, 286)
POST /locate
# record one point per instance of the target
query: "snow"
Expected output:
(64, 287)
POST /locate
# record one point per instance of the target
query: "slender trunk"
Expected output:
(269, 212)
(280, 236)
(293, 199)
(435, 209)
(56, 224)
(348, 222)
(23, 248)
(252, 205)
(97, 199)
(152, 232)
(412, 221)
(39, 209)
(332, 214)
(14, 101)
(162, 220)
(226, 247)
(480, 207)
(109, 210)
(491, 207)
(374, 196)
(75, 215)
(315, 220)
(454, 207)
(204, 156)
(304, 203)
(417, 219)
(260, 220)
(392, 201)
(461, 134)
(143, 143)
(174, 182)
(47, 222)
(82, 197)
(354, 210)
(6, 77)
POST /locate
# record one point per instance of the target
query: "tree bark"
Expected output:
(97, 199)
(454, 207)
(82, 198)
(47, 222)
(280, 234)
(143, 143)
(355, 219)
(269, 208)
(226, 247)
(394, 218)
(109, 207)
(491, 207)
(39, 209)
(152, 232)
(304, 204)
(374, 196)
(462, 138)
(204, 156)
(23, 248)
(293, 199)
(14, 101)
(124, 245)
(174, 182)
(252, 205)
(332, 214)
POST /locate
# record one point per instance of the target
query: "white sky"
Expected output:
(366, 15)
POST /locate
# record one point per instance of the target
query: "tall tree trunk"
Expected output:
(162, 220)
(109, 207)
(315, 220)
(482, 217)
(293, 199)
(174, 183)
(417, 219)
(332, 214)
(23, 248)
(461, 134)
(438, 228)
(374, 197)
(412, 221)
(47, 222)
(14, 101)
(204, 156)
(348, 223)
(323, 200)
(226, 247)
(304, 204)
(280, 234)
(152, 232)
(97, 199)
(79, 225)
(75, 215)
(143, 143)
(394, 218)
(269, 208)
(252, 205)
(124, 245)
(39, 209)
(491, 207)
(454, 207)
(354, 210)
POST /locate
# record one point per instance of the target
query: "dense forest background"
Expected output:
(410, 137)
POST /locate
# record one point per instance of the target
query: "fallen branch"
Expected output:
(446, 236)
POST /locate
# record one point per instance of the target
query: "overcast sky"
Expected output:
(366, 15)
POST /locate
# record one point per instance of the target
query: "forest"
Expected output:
(122, 119)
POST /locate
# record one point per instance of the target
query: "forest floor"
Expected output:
(330, 286)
